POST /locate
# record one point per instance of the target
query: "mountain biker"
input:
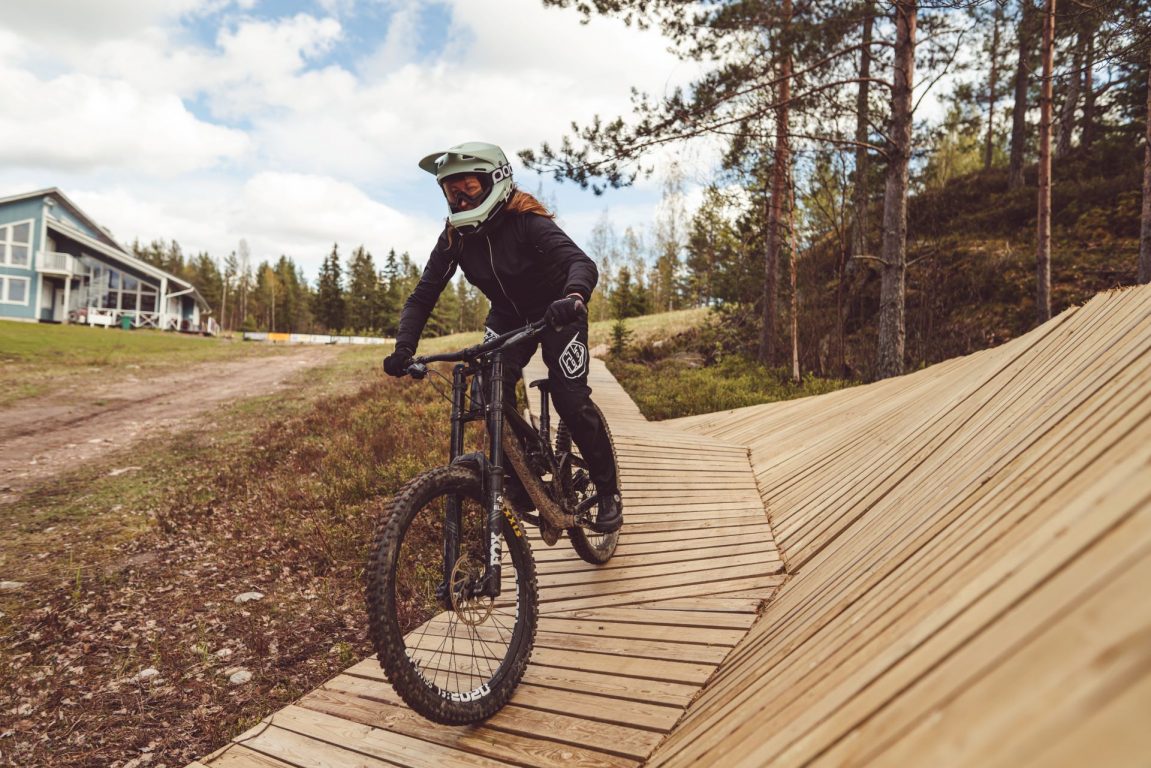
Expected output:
(509, 246)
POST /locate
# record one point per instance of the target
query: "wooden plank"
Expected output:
(1112, 734)
(1069, 667)
(678, 585)
(346, 699)
(641, 631)
(239, 756)
(605, 663)
(558, 728)
(696, 651)
(712, 602)
(666, 617)
(299, 750)
(617, 579)
(652, 716)
(364, 744)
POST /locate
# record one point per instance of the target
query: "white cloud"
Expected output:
(89, 21)
(77, 122)
(300, 212)
(290, 214)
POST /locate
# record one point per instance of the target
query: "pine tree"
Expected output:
(360, 304)
(329, 300)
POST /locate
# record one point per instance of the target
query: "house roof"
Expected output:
(104, 242)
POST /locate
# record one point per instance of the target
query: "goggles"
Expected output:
(454, 187)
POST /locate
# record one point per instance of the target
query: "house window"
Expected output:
(13, 290)
(16, 244)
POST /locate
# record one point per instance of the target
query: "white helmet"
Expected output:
(489, 165)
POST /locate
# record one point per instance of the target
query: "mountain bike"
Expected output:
(451, 583)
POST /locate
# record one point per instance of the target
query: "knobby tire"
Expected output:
(592, 547)
(448, 670)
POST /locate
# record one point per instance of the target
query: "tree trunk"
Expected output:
(780, 173)
(1070, 103)
(991, 94)
(1043, 248)
(861, 194)
(1145, 228)
(793, 263)
(862, 132)
(892, 322)
(1087, 134)
(1019, 110)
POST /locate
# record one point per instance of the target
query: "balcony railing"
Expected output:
(58, 263)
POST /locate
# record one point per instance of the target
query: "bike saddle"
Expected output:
(541, 383)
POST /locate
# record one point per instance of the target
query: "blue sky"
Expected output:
(297, 124)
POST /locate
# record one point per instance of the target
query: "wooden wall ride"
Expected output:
(971, 557)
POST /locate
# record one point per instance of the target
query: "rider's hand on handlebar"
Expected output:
(565, 311)
(396, 364)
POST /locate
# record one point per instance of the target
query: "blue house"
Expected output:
(59, 266)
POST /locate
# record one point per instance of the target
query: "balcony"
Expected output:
(56, 263)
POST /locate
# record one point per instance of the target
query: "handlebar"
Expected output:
(418, 367)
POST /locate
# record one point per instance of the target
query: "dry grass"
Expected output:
(139, 571)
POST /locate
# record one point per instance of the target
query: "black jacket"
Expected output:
(522, 262)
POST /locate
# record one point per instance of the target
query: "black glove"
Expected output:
(565, 311)
(396, 364)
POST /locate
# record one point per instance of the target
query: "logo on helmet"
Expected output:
(501, 173)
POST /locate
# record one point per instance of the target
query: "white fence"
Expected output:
(312, 338)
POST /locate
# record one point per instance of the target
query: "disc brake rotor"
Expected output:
(471, 609)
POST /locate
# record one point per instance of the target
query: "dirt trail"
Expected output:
(45, 436)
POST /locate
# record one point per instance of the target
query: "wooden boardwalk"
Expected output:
(969, 559)
(621, 649)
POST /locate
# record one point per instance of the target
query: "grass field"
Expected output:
(36, 358)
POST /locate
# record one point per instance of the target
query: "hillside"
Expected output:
(971, 255)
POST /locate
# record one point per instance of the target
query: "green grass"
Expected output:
(36, 359)
(678, 386)
(649, 327)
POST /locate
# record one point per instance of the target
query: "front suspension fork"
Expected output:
(493, 485)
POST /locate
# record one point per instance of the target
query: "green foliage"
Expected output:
(620, 337)
(328, 303)
(360, 301)
(676, 380)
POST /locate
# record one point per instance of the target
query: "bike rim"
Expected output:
(459, 648)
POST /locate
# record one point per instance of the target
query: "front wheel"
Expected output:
(454, 655)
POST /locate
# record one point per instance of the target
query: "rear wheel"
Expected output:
(455, 656)
(592, 547)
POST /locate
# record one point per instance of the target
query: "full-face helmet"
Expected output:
(487, 162)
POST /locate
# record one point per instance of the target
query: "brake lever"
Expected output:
(417, 370)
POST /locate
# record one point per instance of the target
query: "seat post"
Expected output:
(545, 413)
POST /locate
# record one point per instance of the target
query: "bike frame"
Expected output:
(487, 361)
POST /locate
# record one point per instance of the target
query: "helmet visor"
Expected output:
(465, 191)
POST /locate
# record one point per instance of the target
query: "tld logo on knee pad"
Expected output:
(573, 360)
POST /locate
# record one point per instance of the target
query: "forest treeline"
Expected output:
(847, 231)
(355, 296)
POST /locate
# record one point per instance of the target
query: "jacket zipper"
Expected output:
(492, 259)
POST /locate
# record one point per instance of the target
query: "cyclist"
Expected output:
(509, 246)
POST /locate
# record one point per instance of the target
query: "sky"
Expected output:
(297, 124)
